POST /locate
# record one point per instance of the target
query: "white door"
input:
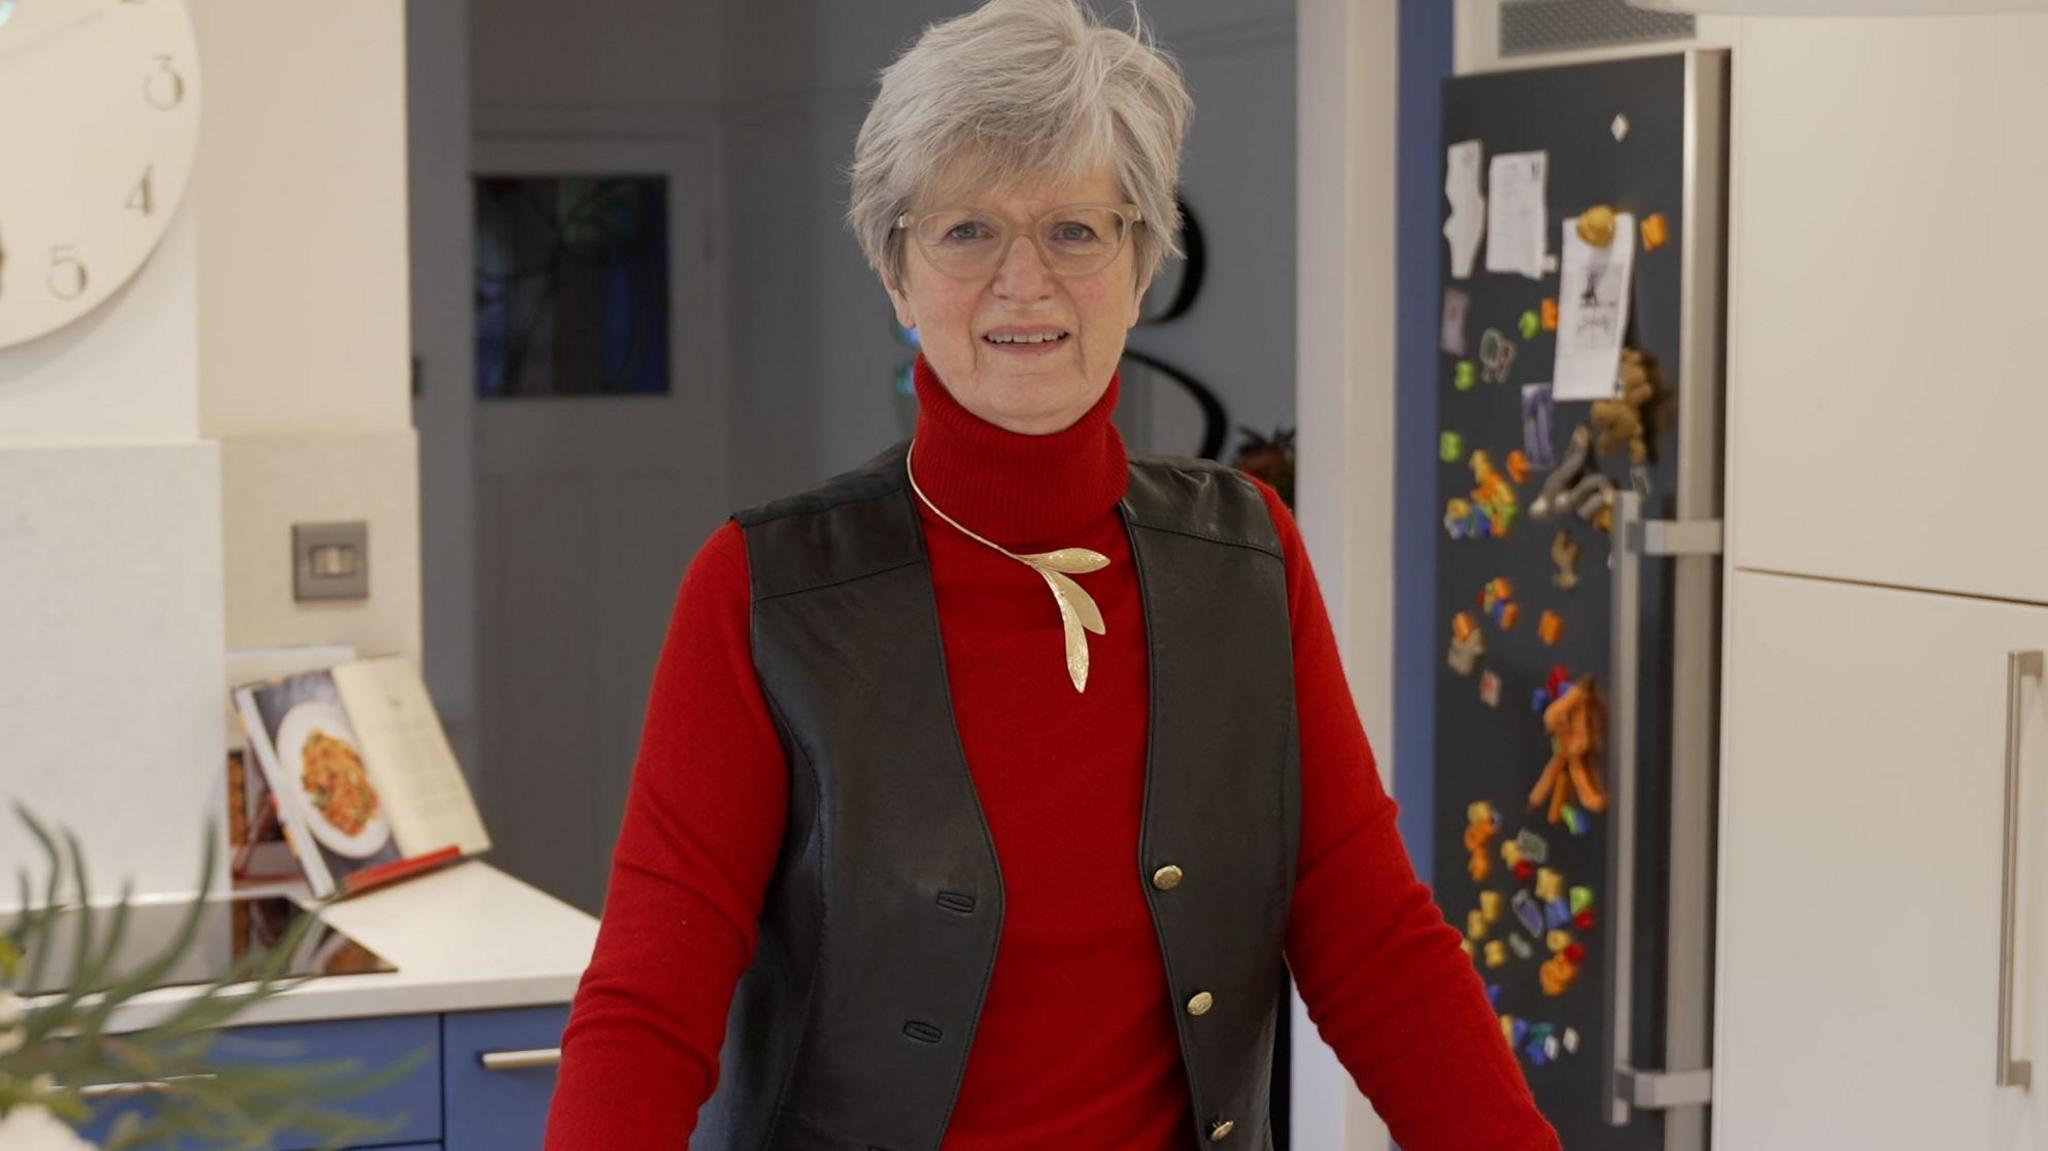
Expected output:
(1862, 854)
(1887, 414)
(589, 508)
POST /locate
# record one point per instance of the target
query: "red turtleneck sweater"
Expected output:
(1076, 1045)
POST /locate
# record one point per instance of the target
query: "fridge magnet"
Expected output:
(1538, 412)
(1624, 420)
(1475, 925)
(1450, 447)
(1575, 486)
(1575, 821)
(1557, 941)
(1656, 232)
(1550, 628)
(1619, 127)
(1497, 600)
(1507, 1028)
(1522, 948)
(1491, 904)
(1527, 913)
(1467, 644)
(1481, 826)
(1518, 466)
(1496, 356)
(1459, 520)
(1494, 497)
(1557, 974)
(1531, 326)
(1571, 1040)
(1518, 1030)
(1564, 553)
(1493, 995)
(1517, 213)
(1532, 846)
(1467, 221)
(1549, 315)
(1585, 920)
(1581, 898)
(1577, 723)
(1496, 954)
(1596, 225)
(1489, 693)
(1549, 885)
(1456, 305)
(1465, 376)
(1576, 953)
(1557, 916)
(1465, 945)
(1525, 870)
(1593, 304)
(1511, 853)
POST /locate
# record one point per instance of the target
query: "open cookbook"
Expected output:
(360, 780)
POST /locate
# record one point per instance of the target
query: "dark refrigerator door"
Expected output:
(1492, 744)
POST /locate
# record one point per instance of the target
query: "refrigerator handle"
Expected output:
(1626, 1086)
(2019, 665)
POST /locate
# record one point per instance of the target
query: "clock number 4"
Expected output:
(164, 88)
(143, 198)
(67, 277)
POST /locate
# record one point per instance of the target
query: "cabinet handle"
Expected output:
(521, 1060)
(2019, 665)
(140, 1087)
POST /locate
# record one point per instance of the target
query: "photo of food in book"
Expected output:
(321, 773)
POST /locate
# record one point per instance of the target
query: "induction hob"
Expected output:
(228, 930)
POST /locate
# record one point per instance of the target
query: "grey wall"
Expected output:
(812, 348)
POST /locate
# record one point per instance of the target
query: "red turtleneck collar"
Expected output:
(1016, 489)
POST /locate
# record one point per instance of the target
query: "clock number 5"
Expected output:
(67, 277)
(164, 88)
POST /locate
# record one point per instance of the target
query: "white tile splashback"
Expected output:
(111, 655)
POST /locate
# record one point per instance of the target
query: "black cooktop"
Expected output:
(228, 930)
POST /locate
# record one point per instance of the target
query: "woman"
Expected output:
(985, 788)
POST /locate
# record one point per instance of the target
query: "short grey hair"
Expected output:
(1015, 91)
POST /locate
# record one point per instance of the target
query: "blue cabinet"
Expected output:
(500, 1076)
(484, 1079)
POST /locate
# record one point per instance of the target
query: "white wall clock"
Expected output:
(99, 124)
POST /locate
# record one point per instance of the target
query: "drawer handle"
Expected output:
(521, 1060)
(2019, 665)
(142, 1087)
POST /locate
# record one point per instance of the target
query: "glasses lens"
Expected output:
(1080, 241)
(969, 243)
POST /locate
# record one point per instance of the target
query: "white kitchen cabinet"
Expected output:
(1887, 415)
(1862, 855)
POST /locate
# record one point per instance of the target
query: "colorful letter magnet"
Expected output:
(1520, 947)
(1450, 447)
(1475, 924)
(1534, 847)
(1465, 376)
(1489, 689)
(1549, 885)
(1496, 954)
(1528, 913)
(1531, 325)
(1581, 899)
(1550, 628)
(1556, 914)
(1550, 315)
(1491, 905)
(1656, 232)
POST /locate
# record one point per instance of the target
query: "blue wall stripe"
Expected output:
(1424, 62)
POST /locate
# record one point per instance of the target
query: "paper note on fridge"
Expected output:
(1467, 222)
(1515, 211)
(1592, 311)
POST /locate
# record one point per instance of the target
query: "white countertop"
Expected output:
(465, 938)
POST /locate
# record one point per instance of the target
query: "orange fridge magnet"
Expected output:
(1656, 232)
(1577, 723)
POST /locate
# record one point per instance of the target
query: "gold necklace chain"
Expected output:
(1078, 611)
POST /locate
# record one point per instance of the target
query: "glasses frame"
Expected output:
(906, 223)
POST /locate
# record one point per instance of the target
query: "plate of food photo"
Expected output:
(317, 750)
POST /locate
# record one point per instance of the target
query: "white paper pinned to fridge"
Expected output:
(1592, 311)
(1467, 222)
(1515, 213)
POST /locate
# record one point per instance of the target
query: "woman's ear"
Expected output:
(904, 315)
(1138, 301)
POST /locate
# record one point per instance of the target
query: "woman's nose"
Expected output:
(1023, 275)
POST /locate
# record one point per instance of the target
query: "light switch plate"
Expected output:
(331, 561)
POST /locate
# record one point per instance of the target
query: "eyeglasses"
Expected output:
(971, 243)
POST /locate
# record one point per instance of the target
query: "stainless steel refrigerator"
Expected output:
(1578, 591)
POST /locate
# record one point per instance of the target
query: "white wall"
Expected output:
(301, 190)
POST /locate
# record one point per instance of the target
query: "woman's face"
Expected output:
(1031, 388)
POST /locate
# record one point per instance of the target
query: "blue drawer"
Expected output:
(503, 1108)
(376, 1043)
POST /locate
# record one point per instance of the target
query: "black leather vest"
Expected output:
(850, 1031)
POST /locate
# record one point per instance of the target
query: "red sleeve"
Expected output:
(703, 825)
(1380, 971)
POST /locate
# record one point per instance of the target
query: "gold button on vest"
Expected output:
(1201, 1003)
(1221, 1131)
(1166, 878)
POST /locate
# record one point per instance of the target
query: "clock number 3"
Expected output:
(67, 277)
(164, 88)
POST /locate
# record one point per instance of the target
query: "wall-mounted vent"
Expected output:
(1536, 27)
